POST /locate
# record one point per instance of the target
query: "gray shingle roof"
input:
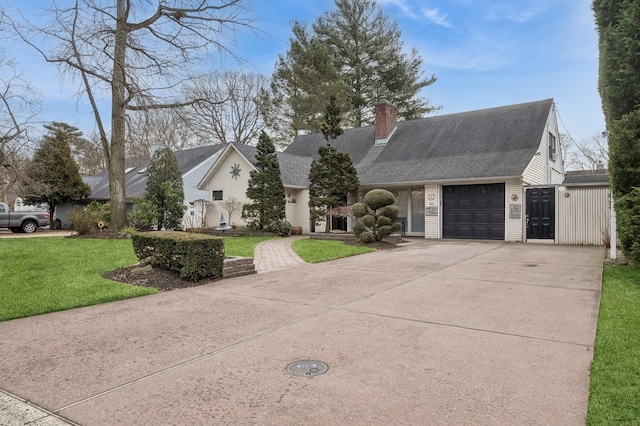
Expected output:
(587, 177)
(293, 169)
(136, 182)
(494, 142)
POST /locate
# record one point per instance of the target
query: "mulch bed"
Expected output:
(159, 278)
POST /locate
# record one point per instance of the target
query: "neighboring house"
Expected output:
(193, 164)
(486, 174)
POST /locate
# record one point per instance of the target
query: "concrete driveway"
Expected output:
(464, 333)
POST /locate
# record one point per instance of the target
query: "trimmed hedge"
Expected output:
(193, 256)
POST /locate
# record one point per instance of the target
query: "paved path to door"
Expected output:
(464, 333)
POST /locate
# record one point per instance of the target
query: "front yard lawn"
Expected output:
(41, 275)
(615, 372)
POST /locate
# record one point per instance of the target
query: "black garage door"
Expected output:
(473, 211)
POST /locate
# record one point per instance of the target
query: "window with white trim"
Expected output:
(216, 195)
(553, 154)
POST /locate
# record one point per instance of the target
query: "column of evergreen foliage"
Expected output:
(618, 24)
(332, 177)
(53, 175)
(267, 211)
(165, 190)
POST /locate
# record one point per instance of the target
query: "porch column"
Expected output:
(432, 211)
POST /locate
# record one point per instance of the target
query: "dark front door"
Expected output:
(473, 211)
(541, 215)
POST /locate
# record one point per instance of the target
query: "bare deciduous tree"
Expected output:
(232, 205)
(587, 154)
(165, 127)
(232, 115)
(138, 55)
(19, 107)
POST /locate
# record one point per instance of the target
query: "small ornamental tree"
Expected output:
(165, 191)
(267, 212)
(377, 215)
(53, 176)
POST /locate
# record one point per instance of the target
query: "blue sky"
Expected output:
(485, 53)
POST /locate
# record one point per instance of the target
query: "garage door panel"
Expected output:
(473, 211)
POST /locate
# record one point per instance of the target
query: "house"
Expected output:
(193, 163)
(485, 174)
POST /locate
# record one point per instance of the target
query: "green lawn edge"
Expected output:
(614, 392)
(317, 251)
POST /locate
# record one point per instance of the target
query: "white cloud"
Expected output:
(436, 17)
(433, 16)
(519, 13)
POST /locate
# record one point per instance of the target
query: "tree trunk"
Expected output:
(327, 223)
(52, 222)
(116, 160)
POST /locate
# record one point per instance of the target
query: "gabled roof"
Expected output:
(294, 170)
(136, 179)
(495, 142)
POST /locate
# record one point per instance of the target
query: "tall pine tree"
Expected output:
(268, 210)
(304, 79)
(165, 190)
(354, 53)
(53, 176)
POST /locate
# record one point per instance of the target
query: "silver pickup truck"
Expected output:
(22, 221)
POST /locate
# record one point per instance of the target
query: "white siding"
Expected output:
(583, 215)
(192, 178)
(514, 206)
(432, 197)
(541, 169)
(223, 181)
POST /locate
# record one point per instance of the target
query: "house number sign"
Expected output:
(431, 197)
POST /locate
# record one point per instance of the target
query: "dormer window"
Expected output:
(553, 154)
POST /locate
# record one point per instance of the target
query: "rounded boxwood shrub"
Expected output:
(377, 215)
(378, 198)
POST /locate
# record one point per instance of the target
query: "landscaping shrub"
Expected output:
(376, 216)
(193, 256)
(84, 219)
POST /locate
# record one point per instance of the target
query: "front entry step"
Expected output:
(238, 266)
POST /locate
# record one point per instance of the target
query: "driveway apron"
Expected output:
(437, 332)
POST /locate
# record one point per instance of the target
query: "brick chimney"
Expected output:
(386, 121)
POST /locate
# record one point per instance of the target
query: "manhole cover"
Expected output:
(307, 368)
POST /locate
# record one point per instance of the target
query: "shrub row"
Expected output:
(193, 256)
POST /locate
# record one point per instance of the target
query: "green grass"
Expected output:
(316, 251)
(615, 372)
(40, 275)
(242, 246)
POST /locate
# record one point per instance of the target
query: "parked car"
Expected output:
(27, 221)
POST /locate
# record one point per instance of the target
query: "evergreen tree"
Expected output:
(331, 126)
(302, 83)
(165, 191)
(332, 177)
(53, 176)
(267, 212)
(618, 24)
(354, 53)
